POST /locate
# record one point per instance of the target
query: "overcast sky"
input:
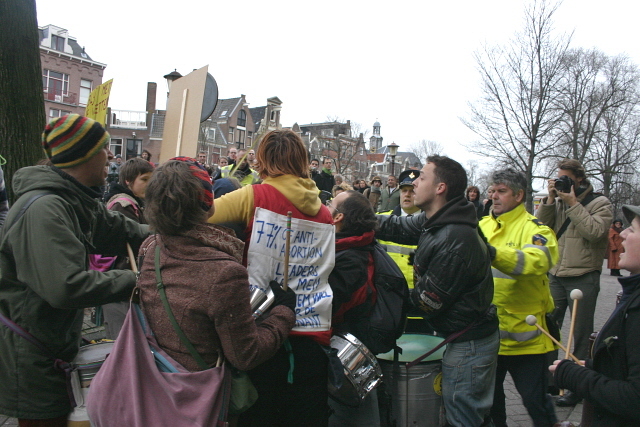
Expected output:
(407, 64)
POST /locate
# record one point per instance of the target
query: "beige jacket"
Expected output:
(582, 246)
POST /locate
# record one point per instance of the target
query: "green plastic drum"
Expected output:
(414, 346)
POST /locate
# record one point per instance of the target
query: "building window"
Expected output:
(54, 113)
(57, 43)
(242, 118)
(240, 138)
(85, 91)
(211, 135)
(56, 85)
(115, 146)
(231, 129)
(327, 133)
(134, 148)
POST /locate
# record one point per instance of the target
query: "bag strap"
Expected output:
(450, 338)
(163, 296)
(564, 227)
(25, 207)
(58, 363)
(588, 199)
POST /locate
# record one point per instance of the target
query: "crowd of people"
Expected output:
(477, 271)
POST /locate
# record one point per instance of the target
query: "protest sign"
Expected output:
(311, 259)
(98, 103)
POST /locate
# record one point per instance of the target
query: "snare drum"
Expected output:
(361, 369)
(89, 360)
(415, 394)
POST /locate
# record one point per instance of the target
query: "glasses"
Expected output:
(329, 205)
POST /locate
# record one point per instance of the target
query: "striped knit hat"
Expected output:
(71, 140)
(197, 170)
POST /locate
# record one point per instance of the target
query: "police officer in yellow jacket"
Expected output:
(523, 250)
(242, 171)
(403, 254)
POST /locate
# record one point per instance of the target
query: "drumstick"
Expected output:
(576, 295)
(531, 320)
(285, 285)
(132, 259)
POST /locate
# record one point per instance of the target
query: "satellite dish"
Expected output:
(210, 99)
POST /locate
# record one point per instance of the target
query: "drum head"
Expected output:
(414, 346)
(93, 353)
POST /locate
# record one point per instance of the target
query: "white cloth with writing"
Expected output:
(311, 259)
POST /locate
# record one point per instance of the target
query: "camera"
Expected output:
(563, 184)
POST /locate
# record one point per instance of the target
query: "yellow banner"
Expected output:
(98, 103)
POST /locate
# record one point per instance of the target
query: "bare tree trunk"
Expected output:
(22, 116)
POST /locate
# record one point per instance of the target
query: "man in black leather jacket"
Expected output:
(453, 286)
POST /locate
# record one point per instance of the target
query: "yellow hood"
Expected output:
(302, 192)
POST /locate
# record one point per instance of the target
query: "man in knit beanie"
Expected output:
(45, 280)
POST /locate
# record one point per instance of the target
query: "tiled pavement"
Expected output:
(516, 413)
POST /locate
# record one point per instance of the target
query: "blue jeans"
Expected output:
(468, 379)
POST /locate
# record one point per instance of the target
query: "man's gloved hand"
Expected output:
(282, 297)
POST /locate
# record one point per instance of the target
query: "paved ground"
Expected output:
(516, 412)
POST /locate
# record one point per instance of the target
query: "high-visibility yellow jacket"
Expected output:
(525, 251)
(249, 179)
(401, 255)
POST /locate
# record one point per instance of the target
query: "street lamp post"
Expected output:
(171, 77)
(393, 151)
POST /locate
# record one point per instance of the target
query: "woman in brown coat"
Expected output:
(615, 247)
(201, 266)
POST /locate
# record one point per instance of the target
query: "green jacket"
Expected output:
(46, 283)
(388, 201)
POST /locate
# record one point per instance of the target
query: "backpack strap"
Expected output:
(588, 199)
(25, 207)
(128, 201)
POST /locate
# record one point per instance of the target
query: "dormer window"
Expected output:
(57, 43)
(242, 118)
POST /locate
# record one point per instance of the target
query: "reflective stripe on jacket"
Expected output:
(525, 251)
(402, 255)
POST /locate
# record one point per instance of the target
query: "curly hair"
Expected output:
(359, 216)
(282, 152)
(173, 199)
(510, 177)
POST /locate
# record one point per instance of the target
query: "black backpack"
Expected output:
(388, 317)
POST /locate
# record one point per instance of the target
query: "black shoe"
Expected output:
(569, 399)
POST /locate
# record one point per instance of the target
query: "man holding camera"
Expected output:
(581, 219)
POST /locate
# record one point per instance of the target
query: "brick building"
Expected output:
(68, 72)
